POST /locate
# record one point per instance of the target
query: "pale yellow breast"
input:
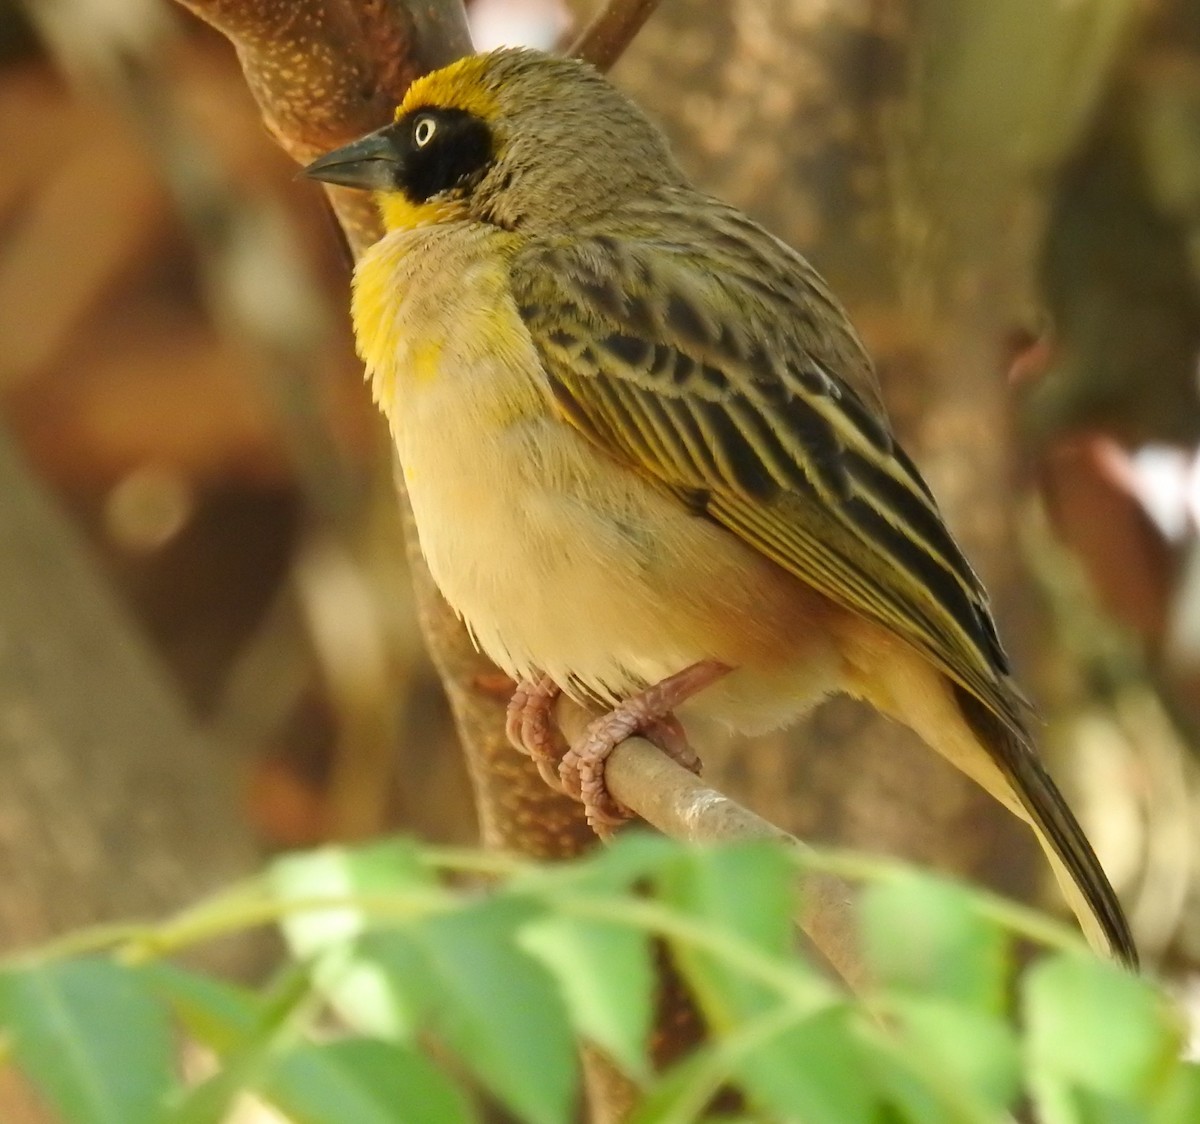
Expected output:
(559, 558)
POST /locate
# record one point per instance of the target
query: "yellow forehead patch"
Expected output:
(461, 85)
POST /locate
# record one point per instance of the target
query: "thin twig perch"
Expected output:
(681, 805)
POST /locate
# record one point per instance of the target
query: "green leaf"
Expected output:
(977, 1052)
(395, 960)
(220, 1015)
(92, 1037)
(906, 1096)
(340, 872)
(680, 1095)
(489, 1001)
(811, 1072)
(633, 857)
(363, 1081)
(355, 988)
(606, 974)
(1180, 1100)
(925, 935)
(1074, 1105)
(1094, 1027)
(249, 1034)
(210, 1101)
(815, 1072)
(745, 890)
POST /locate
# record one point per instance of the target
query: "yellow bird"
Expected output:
(646, 453)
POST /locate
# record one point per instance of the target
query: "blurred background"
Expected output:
(208, 646)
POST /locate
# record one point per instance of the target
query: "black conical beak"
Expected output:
(370, 163)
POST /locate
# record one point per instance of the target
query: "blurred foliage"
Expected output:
(408, 995)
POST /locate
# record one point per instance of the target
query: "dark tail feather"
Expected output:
(1054, 821)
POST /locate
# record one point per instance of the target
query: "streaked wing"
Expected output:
(717, 362)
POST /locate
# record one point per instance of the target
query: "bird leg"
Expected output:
(529, 724)
(530, 727)
(648, 713)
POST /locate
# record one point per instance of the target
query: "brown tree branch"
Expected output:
(604, 40)
(326, 71)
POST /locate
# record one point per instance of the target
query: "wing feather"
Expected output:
(716, 362)
(736, 381)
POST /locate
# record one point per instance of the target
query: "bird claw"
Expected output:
(648, 713)
(530, 727)
(579, 772)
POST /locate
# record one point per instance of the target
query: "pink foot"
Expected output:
(647, 713)
(530, 726)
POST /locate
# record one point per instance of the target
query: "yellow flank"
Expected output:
(374, 327)
(461, 85)
(424, 359)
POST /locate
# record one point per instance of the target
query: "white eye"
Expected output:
(424, 131)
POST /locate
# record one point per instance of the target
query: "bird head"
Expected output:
(515, 138)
